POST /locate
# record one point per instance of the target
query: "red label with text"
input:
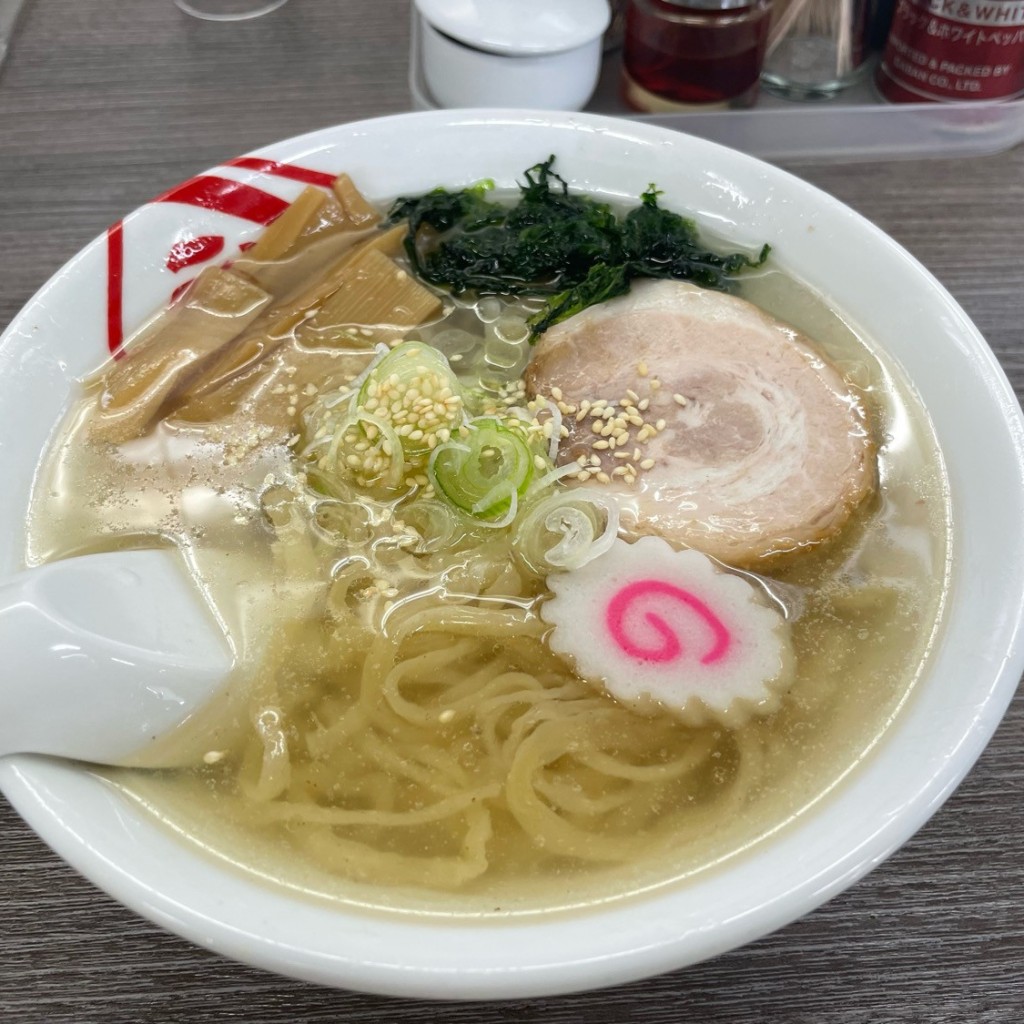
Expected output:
(954, 50)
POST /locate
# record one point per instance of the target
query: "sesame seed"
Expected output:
(603, 478)
(647, 464)
(641, 369)
(660, 425)
(679, 399)
(602, 445)
(644, 404)
(583, 476)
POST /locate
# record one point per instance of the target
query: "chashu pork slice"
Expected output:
(764, 449)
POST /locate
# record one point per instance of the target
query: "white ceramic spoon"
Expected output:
(104, 656)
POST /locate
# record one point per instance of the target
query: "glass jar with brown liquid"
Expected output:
(693, 54)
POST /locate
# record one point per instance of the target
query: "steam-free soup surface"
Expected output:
(398, 733)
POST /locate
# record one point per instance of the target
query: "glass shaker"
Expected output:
(693, 54)
(817, 48)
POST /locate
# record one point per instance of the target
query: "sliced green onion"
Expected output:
(484, 473)
(380, 352)
(414, 388)
(556, 430)
(403, 360)
(567, 529)
(510, 513)
(380, 463)
(433, 525)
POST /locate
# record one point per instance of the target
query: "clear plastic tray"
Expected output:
(857, 125)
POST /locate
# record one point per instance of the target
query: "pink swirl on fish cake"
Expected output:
(670, 649)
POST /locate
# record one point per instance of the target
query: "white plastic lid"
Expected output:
(518, 27)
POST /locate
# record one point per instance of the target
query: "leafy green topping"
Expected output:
(552, 242)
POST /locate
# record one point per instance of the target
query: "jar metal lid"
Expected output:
(518, 27)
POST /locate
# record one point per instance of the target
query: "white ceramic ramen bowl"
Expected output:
(128, 272)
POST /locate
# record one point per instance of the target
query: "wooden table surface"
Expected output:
(103, 104)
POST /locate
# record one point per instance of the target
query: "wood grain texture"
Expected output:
(104, 104)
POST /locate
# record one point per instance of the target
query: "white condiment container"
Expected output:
(544, 54)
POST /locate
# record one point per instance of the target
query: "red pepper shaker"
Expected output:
(693, 54)
(964, 50)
